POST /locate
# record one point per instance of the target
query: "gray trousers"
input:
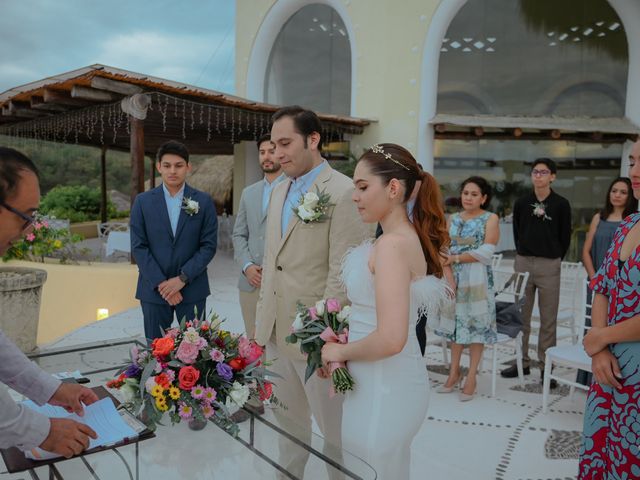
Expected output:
(544, 277)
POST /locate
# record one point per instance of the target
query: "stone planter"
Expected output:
(20, 292)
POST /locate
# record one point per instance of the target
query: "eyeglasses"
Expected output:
(540, 173)
(28, 219)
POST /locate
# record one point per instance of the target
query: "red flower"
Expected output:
(163, 380)
(162, 346)
(265, 391)
(238, 363)
(204, 327)
(188, 376)
(116, 382)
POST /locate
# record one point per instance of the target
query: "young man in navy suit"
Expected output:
(174, 232)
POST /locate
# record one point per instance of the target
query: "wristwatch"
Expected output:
(183, 277)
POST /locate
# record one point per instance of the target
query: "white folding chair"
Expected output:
(105, 228)
(571, 304)
(510, 287)
(569, 356)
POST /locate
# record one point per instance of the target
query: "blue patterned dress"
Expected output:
(475, 301)
(611, 435)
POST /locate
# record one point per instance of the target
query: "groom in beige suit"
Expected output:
(302, 262)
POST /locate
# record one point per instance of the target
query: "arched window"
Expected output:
(534, 58)
(310, 62)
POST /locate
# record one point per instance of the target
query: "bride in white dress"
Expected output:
(389, 282)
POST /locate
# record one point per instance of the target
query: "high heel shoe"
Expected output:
(467, 397)
(444, 389)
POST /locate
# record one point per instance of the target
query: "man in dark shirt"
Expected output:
(542, 232)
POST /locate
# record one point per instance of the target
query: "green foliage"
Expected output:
(346, 167)
(77, 203)
(45, 241)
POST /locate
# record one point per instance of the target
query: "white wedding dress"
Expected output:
(389, 402)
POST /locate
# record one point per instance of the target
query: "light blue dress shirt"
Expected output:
(268, 188)
(174, 204)
(299, 186)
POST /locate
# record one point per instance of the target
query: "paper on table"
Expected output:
(101, 416)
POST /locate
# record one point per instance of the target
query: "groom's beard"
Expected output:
(273, 169)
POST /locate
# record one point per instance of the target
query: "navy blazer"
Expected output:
(160, 256)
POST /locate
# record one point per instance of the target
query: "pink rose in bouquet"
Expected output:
(333, 305)
(249, 350)
(187, 352)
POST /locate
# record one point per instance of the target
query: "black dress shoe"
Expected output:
(512, 371)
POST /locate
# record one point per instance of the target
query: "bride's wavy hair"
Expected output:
(389, 161)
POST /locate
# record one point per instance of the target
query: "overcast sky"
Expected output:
(190, 41)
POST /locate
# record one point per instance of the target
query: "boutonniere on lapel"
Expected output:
(540, 211)
(190, 207)
(313, 206)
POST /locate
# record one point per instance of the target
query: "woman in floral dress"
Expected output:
(611, 436)
(474, 234)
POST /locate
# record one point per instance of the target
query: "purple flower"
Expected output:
(224, 371)
(132, 371)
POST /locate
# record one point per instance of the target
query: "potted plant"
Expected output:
(20, 292)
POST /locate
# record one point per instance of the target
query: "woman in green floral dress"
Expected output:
(474, 234)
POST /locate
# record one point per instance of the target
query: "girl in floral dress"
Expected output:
(611, 436)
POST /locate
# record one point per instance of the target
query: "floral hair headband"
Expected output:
(378, 149)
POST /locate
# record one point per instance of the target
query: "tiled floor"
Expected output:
(506, 437)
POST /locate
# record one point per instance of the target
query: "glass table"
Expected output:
(177, 452)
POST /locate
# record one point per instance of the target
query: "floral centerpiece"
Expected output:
(195, 372)
(325, 322)
(45, 240)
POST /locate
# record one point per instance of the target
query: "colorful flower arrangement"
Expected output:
(325, 322)
(43, 241)
(195, 372)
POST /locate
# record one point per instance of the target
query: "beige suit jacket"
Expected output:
(304, 264)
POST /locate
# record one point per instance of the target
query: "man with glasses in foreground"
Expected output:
(542, 232)
(20, 426)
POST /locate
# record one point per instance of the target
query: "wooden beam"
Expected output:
(38, 103)
(115, 86)
(21, 109)
(63, 98)
(478, 131)
(103, 184)
(137, 156)
(92, 94)
(152, 173)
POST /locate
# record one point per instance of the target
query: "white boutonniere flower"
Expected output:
(313, 206)
(539, 210)
(190, 207)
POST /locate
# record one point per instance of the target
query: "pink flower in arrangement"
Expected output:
(209, 395)
(37, 226)
(172, 333)
(185, 411)
(30, 237)
(313, 313)
(333, 305)
(207, 411)
(249, 350)
(188, 352)
(197, 392)
(45, 224)
(216, 355)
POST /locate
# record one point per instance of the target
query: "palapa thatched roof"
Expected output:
(215, 177)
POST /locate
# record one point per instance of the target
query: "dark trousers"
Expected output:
(421, 333)
(159, 317)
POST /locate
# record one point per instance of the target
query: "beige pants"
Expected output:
(544, 276)
(303, 400)
(248, 303)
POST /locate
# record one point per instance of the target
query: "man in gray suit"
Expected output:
(248, 231)
(19, 425)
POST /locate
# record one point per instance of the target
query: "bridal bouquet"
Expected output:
(313, 327)
(195, 372)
